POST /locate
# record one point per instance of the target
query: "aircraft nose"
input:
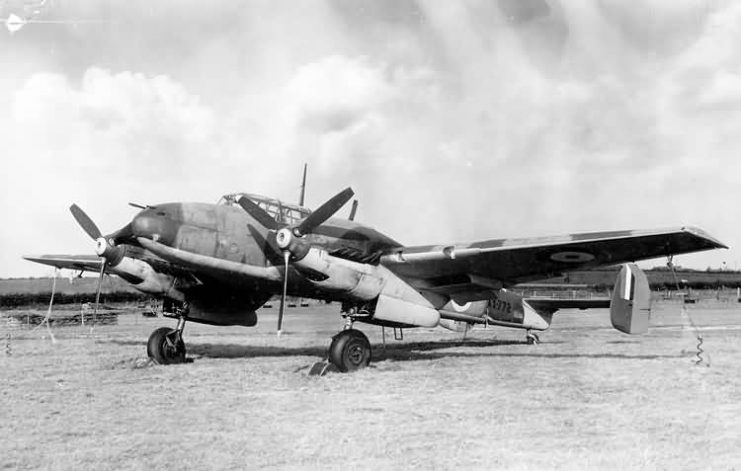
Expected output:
(153, 226)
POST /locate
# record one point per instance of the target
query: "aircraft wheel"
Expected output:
(350, 350)
(532, 339)
(166, 346)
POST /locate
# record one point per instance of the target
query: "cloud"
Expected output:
(90, 142)
(334, 93)
(122, 106)
(452, 121)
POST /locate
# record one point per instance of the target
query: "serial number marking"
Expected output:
(501, 306)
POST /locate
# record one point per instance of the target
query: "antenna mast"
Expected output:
(303, 187)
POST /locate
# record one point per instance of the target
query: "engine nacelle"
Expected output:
(355, 280)
(631, 301)
(393, 300)
(141, 274)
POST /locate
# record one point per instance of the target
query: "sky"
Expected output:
(452, 121)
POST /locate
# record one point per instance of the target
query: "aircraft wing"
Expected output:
(71, 262)
(467, 272)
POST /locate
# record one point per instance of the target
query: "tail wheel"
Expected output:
(166, 346)
(350, 350)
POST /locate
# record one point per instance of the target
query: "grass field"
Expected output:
(587, 397)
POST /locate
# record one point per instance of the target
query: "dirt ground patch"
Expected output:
(587, 397)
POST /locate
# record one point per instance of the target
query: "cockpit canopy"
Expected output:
(282, 212)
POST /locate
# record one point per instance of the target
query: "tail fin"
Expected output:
(631, 301)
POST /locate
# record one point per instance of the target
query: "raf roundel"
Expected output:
(459, 307)
(572, 257)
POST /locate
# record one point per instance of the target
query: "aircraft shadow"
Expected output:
(617, 356)
(411, 351)
(379, 353)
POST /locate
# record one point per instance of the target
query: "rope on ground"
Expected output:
(699, 359)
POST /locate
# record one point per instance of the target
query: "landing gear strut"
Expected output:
(532, 338)
(166, 346)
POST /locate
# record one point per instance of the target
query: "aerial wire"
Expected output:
(48, 311)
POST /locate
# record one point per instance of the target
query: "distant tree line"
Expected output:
(672, 286)
(34, 299)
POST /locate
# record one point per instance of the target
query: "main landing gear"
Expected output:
(532, 338)
(166, 346)
(350, 349)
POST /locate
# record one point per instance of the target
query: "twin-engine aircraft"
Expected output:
(218, 263)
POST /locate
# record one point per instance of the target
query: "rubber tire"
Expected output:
(532, 339)
(350, 350)
(160, 350)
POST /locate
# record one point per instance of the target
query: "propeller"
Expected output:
(289, 238)
(110, 254)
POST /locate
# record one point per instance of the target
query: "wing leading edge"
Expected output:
(71, 262)
(465, 270)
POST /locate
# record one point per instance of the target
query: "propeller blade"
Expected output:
(286, 257)
(97, 293)
(262, 216)
(324, 211)
(85, 222)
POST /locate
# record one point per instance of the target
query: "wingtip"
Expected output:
(697, 232)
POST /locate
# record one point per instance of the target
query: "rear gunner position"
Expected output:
(218, 263)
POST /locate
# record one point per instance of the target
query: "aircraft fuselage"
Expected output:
(229, 233)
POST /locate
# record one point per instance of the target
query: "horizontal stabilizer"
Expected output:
(631, 301)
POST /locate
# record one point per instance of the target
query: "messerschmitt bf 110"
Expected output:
(219, 263)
